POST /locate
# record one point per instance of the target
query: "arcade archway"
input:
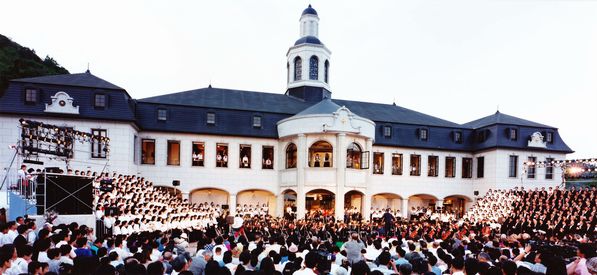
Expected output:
(354, 204)
(255, 200)
(419, 204)
(320, 200)
(386, 200)
(170, 190)
(456, 204)
(210, 195)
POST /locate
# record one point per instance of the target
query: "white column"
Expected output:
(340, 175)
(232, 204)
(404, 208)
(186, 195)
(300, 176)
(439, 203)
(280, 205)
(366, 206)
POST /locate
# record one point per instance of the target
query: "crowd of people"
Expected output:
(147, 230)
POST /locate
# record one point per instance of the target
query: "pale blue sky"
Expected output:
(457, 60)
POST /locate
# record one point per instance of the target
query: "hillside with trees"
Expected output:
(17, 61)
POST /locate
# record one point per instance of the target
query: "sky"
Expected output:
(457, 60)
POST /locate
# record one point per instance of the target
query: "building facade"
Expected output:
(301, 149)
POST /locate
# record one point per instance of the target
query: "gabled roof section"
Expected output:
(85, 79)
(232, 99)
(501, 118)
(324, 107)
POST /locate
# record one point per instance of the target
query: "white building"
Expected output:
(300, 148)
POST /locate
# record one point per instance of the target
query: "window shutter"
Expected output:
(365, 160)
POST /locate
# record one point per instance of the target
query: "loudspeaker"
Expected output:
(175, 183)
(67, 195)
(225, 206)
(476, 193)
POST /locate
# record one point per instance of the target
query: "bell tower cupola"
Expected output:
(308, 62)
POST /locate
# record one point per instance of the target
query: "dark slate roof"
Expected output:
(85, 79)
(392, 113)
(326, 106)
(309, 39)
(232, 99)
(280, 103)
(309, 10)
(500, 118)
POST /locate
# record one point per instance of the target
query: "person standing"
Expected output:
(388, 219)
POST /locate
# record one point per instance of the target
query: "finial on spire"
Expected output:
(394, 101)
(88, 71)
(498, 109)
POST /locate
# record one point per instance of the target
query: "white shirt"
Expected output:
(19, 266)
(306, 271)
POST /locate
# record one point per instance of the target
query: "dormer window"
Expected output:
(31, 96)
(211, 118)
(457, 136)
(513, 134)
(256, 121)
(549, 137)
(481, 136)
(100, 101)
(423, 134)
(162, 114)
(387, 131)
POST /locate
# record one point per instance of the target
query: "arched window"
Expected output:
(291, 156)
(321, 154)
(326, 72)
(353, 156)
(298, 68)
(314, 68)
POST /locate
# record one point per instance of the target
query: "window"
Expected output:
(287, 72)
(432, 166)
(377, 163)
(211, 118)
(256, 121)
(467, 168)
(298, 68)
(100, 101)
(326, 72)
(513, 134)
(415, 165)
(531, 167)
(291, 156)
(135, 149)
(173, 152)
(549, 137)
(245, 156)
(450, 167)
(267, 157)
(480, 167)
(320, 154)
(314, 68)
(423, 134)
(353, 156)
(98, 148)
(481, 136)
(198, 154)
(162, 114)
(148, 151)
(548, 168)
(387, 131)
(396, 164)
(221, 155)
(31, 96)
(457, 137)
(513, 167)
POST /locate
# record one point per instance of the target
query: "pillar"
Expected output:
(302, 151)
(232, 204)
(366, 206)
(280, 205)
(186, 196)
(404, 208)
(340, 175)
(439, 203)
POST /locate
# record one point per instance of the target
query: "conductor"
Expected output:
(388, 219)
